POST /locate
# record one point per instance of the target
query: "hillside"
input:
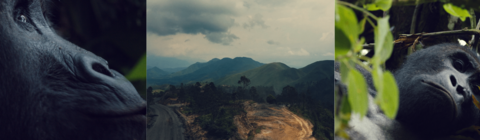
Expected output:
(317, 78)
(209, 71)
(155, 72)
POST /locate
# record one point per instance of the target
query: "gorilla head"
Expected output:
(436, 86)
(52, 89)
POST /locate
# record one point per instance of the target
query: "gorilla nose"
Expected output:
(92, 68)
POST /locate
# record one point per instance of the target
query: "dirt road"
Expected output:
(166, 125)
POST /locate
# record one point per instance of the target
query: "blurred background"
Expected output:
(112, 29)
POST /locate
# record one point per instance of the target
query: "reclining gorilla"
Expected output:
(436, 85)
(51, 89)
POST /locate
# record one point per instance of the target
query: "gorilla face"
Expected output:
(436, 87)
(52, 89)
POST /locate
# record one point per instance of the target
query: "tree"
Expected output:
(289, 94)
(181, 94)
(271, 99)
(244, 81)
(150, 96)
(253, 93)
(172, 88)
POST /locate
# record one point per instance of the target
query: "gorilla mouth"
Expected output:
(438, 87)
(136, 113)
(443, 90)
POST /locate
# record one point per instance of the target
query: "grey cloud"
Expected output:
(271, 42)
(257, 20)
(271, 2)
(221, 37)
(246, 4)
(192, 17)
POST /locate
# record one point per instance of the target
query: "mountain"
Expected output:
(155, 72)
(173, 70)
(316, 78)
(208, 71)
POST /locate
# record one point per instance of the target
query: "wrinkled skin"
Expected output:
(52, 89)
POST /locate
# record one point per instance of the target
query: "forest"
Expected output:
(217, 105)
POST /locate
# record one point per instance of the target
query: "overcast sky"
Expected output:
(294, 32)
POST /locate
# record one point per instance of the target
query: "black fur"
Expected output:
(425, 110)
(51, 89)
(430, 111)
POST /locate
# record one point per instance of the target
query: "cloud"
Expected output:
(326, 35)
(211, 18)
(271, 42)
(256, 20)
(271, 2)
(301, 52)
(246, 5)
(220, 37)
(328, 54)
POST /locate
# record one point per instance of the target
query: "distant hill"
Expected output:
(173, 70)
(316, 77)
(208, 71)
(155, 72)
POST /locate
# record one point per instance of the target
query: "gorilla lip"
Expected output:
(131, 112)
(442, 89)
(436, 86)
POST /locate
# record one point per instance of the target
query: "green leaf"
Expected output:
(342, 43)
(377, 76)
(388, 98)
(359, 45)
(337, 124)
(345, 108)
(456, 11)
(346, 22)
(344, 70)
(139, 71)
(383, 41)
(383, 5)
(361, 25)
(357, 92)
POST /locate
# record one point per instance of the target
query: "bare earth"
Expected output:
(166, 125)
(278, 123)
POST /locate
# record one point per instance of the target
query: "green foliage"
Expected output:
(388, 102)
(216, 107)
(347, 29)
(383, 42)
(244, 81)
(138, 72)
(383, 5)
(456, 11)
(357, 92)
(357, 98)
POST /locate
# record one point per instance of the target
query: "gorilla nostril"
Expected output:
(461, 90)
(453, 80)
(101, 69)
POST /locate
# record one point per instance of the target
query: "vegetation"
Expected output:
(217, 106)
(415, 24)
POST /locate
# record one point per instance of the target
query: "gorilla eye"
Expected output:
(458, 65)
(22, 18)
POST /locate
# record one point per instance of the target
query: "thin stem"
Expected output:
(371, 23)
(453, 32)
(358, 8)
(414, 18)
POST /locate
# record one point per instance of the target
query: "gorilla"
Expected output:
(51, 89)
(436, 88)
